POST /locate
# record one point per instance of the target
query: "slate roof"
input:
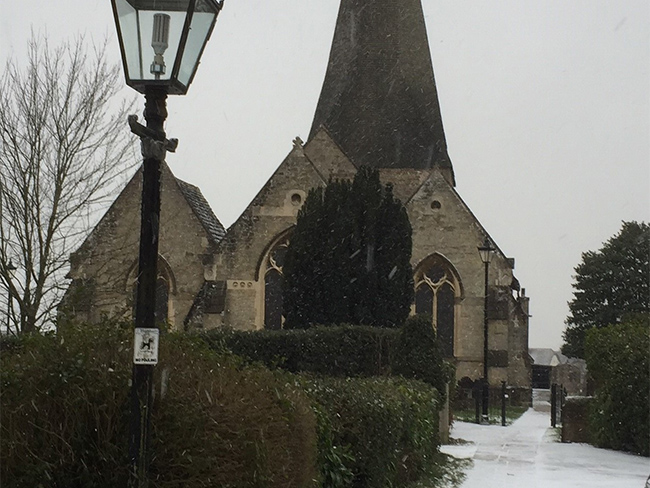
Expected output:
(544, 357)
(202, 210)
(379, 100)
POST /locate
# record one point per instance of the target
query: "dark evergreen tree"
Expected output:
(302, 265)
(349, 258)
(394, 273)
(610, 284)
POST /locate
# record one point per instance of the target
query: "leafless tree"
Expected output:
(64, 146)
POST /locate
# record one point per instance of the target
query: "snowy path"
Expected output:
(526, 455)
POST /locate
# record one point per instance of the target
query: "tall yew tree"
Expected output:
(349, 257)
(610, 284)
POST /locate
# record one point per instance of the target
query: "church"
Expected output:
(378, 107)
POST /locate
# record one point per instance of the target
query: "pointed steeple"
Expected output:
(379, 100)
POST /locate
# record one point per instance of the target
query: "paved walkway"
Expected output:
(526, 454)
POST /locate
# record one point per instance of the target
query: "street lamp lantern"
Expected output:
(485, 251)
(162, 40)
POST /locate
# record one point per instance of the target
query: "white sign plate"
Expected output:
(145, 346)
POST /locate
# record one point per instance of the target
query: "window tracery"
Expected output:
(274, 285)
(436, 289)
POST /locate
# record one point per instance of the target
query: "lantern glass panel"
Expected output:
(202, 22)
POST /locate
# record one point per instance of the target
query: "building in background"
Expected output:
(378, 107)
(551, 366)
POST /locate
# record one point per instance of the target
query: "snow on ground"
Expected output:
(526, 454)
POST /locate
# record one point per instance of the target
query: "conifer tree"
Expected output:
(349, 258)
(611, 284)
(394, 273)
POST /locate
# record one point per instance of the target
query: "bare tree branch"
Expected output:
(63, 149)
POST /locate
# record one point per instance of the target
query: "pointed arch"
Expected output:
(271, 278)
(438, 292)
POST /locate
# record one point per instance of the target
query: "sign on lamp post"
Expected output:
(145, 346)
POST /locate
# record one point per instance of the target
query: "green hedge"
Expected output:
(375, 432)
(618, 361)
(347, 350)
(216, 422)
(65, 415)
(344, 351)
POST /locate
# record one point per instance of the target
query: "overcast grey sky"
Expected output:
(545, 105)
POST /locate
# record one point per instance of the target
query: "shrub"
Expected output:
(223, 425)
(215, 422)
(334, 351)
(418, 356)
(383, 430)
(65, 409)
(617, 359)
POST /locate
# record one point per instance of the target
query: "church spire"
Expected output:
(379, 100)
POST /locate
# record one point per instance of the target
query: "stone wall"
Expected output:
(575, 419)
(240, 256)
(443, 224)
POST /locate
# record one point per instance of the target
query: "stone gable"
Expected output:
(271, 214)
(107, 260)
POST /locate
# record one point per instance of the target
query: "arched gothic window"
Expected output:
(436, 289)
(274, 285)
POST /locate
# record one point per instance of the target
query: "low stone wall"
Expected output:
(575, 419)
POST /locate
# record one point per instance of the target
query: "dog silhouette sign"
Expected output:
(145, 346)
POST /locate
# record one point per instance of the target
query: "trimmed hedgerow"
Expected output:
(347, 350)
(379, 431)
(344, 351)
(618, 361)
(215, 422)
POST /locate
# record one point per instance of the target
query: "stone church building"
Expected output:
(378, 107)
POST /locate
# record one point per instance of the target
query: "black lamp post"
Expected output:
(485, 251)
(161, 42)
